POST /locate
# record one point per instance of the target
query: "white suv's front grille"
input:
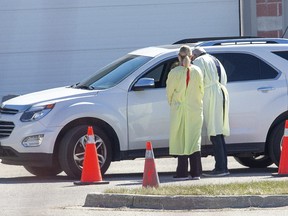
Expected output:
(8, 111)
(6, 129)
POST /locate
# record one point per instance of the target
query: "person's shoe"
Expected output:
(216, 173)
(180, 178)
(195, 178)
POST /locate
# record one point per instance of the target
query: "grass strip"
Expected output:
(249, 188)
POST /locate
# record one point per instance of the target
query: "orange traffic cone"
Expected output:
(283, 164)
(91, 173)
(150, 176)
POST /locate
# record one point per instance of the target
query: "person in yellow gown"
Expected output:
(185, 90)
(216, 107)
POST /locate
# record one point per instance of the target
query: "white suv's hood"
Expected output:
(55, 94)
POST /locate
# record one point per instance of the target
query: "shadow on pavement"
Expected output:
(136, 178)
(34, 179)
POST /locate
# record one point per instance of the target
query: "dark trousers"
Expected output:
(195, 165)
(220, 152)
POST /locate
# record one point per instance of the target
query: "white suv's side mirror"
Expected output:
(144, 83)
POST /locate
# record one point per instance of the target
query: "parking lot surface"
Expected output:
(25, 194)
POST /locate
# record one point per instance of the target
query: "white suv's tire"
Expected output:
(72, 149)
(275, 142)
(254, 162)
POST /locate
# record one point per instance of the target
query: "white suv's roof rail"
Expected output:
(244, 41)
(218, 41)
(197, 40)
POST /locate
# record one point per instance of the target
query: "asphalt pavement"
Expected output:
(25, 194)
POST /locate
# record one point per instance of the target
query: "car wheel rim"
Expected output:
(79, 151)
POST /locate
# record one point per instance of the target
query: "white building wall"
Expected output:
(44, 44)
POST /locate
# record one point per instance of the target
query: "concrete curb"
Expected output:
(182, 202)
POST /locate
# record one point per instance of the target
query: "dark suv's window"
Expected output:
(283, 54)
(242, 67)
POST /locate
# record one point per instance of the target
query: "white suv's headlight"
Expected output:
(36, 112)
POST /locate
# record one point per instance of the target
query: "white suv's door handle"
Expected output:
(265, 89)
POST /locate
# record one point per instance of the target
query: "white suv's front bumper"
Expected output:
(14, 151)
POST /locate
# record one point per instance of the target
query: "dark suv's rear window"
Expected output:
(244, 67)
(283, 54)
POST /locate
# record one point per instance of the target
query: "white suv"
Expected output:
(126, 104)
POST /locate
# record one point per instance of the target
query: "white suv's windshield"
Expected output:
(114, 73)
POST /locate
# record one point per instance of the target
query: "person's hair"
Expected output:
(198, 51)
(186, 62)
(185, 49)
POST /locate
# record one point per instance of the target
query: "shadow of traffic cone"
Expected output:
(283, 164)
(91, 173)
(150, 176)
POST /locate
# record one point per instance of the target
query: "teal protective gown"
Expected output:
(186, 110)
(216, 117)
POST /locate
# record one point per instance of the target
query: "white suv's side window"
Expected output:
(160, 72)
(244, 67)
(283, 54)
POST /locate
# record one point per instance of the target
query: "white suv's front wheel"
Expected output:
(72, 149)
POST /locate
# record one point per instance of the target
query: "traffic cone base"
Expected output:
(91, 173)
(88, 183)
(279, 175)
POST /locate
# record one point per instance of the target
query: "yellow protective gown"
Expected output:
(216, 117)
(186, 110)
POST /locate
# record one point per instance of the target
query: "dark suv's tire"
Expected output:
(72, 149)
